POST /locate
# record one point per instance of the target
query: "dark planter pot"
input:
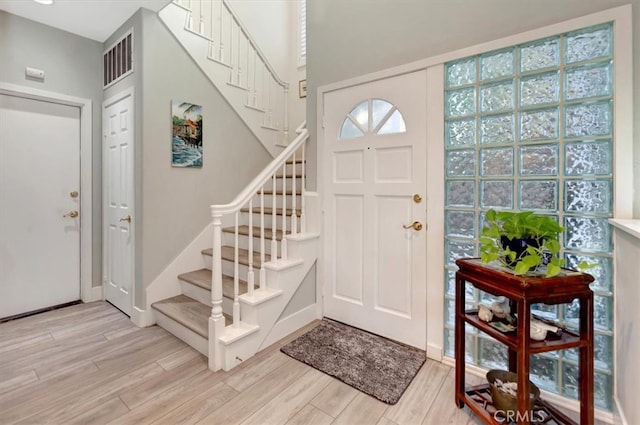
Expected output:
(519, 246)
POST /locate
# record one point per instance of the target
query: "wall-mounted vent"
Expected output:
(117, 61)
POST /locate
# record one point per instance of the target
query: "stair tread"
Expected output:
(188, 312)
(244, 230)
(243, 256)
(202, 278)
(269, 211)
(279, 192)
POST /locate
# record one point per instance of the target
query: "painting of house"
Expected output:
(186, 140)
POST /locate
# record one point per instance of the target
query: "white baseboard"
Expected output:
(434, 352)
(619, 418)
(289, 324)
(143, 318)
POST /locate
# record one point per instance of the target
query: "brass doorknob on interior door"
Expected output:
(127, 218)
(72, 214)
(416, 225)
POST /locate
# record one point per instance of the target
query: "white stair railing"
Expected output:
(262, 185)
(232, 46)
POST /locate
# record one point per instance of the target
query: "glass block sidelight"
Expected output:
(588, 196)
(458, 249)
(587, 234)
(461, 163)
(544, 372)
(539, 118)
(588, 119)
(460, 102)
(497, 129)
(497, 64)
(496, 194)
(540, 55)
(450, 345)
(461, 72)
(461, 133)
(496, 162)
(589, 81)
(460, 224)
(602, 270)
(461, 193)
(496, 97)
(602, 313)
(539, 124)
(589, 158)
(539, 89)
(590, 43)
(492, 354)
(539, 195)
(539, 160)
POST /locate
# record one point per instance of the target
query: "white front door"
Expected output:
(39, 204)
(118, 136)
(374, 162)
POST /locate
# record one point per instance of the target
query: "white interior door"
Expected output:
(374, 160)
(118, 137)
(39, 214)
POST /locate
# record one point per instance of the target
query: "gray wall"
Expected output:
(73, 67)
(356, 37)
(172, 204)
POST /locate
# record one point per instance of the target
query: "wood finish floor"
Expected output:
(88, 364)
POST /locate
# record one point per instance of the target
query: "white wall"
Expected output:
(627, 321)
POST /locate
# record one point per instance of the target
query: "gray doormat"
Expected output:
(374, 365)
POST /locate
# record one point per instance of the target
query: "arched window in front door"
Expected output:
(372, 116)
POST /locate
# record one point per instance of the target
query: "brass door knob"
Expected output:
(416, 225)
(74, 194)
(127, 218)
(417, 198)
(72, 214)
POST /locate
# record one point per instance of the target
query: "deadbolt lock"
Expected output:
(72, 214)
(417, 198)
(74, 194)
(126, 218)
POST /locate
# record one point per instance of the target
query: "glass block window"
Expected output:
(375, 116)
(531, 128)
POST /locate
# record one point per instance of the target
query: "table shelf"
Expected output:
(523, 292)
(566, 339)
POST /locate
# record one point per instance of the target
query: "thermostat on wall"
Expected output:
(37, 74)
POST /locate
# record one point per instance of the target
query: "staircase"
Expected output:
(259, 253)
(225, 51)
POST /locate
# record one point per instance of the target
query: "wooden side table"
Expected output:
(523, 291)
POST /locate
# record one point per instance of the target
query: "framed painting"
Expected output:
(186, 134)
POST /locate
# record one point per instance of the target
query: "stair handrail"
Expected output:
(254, 186)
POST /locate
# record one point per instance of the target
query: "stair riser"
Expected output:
(243, 242)
(187, 335)
(197, 293)
(268, 201)
(280, 184)
(268, 220)
(227, 269)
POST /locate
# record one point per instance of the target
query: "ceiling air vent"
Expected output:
(117, 61)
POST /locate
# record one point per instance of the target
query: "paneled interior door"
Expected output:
(39, 204)
(117, 127)
(374, 162)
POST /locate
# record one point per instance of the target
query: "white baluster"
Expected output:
(285, 107)
(294, 213)
(216, 277)
(274, 204)
(221, 51)
(250, 277)
(303, 218)
(236, 273)
(283, 241)
(201, 24)
(263, 272)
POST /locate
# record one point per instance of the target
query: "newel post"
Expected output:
(216, 321)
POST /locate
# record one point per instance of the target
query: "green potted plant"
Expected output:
(523, 241)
